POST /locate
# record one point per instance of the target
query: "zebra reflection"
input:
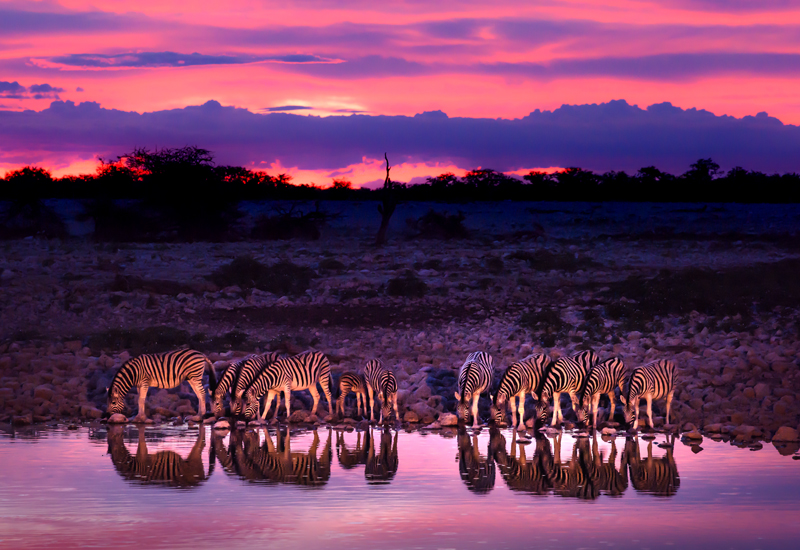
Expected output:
(274, 462)
(349, 458)
(604, 475)
(162, 467)
(477, 471)
(656, 476)
(520, 473)
(381, 467)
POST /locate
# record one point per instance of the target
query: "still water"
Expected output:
(176, 487)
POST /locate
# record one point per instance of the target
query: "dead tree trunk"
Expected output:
(387, 206)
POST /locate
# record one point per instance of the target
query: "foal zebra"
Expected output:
(300, 372)
(352, 382)
(654, 380)
(383, 383)
(161, 370)
(522, 377)
(603, 379)
(474, 378)
(566, 375)
(251, 367)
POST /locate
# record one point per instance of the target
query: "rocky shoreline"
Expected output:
(722, 310)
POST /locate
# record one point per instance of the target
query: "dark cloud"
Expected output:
(607, 136)
(172, 59)
(14, 90)
(282, 108)
(24, 22)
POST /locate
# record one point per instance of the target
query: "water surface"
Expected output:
(175, 487)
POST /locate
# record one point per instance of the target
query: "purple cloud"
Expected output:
(607, 136)
(283, 108)
(172, 59)
(14, 90)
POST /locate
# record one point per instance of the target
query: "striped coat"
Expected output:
(352, 382)
(299, 372)
(381, 382)
(521, 378)
(474, 378)
(161, 370)
(251, 367)
(567, 375)
(602, 380)
(656, 476)
(654, 380)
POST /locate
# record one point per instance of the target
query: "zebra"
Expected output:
(251, 367)
(300, 372)
(656, 476)
(605, 475)
(655, 380)
(477, 472)
(161, 370)
(352, 382)
(474, 378)
(382, 382)
(565, 375)
(163, 467)
(603, 379)
(381, 468)
(522, 377)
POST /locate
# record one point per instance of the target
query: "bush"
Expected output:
(408, 286)
(547, 323)
(544, 260)
(435, 225)
(283, 278)
(331, 264)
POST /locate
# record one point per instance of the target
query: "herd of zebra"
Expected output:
(245, 382)
(585, 474)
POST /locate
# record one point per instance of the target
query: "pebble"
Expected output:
(117, 419)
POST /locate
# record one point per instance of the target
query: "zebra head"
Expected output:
(462, 408)
(216, 405)
(236, 406)
(250, 406)
(498, 411)
(629, 411)
(386, 407)
(116, 401)
(541, 410)
(583, 410)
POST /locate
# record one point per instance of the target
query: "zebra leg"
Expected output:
(595, 406)
(521, 411)
(315, 396)
(512, 402)
(371, 404)
(268, 404)
(636, 414)
(650, 409)
(199, 391)
(669, 404)
(325, 383)
(287, 397)
(575, 405)
(141, 415)
(556, 408)
(476, 396)
(613, 405)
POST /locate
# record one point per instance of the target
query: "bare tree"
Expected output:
(387, 206)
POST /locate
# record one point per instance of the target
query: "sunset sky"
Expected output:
(475, 60)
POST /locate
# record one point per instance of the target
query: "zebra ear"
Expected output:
(535, 397)
(458, 396)
(622, 398)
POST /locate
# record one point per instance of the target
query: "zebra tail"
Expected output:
(212, 376)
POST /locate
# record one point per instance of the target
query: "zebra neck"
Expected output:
(126, 378)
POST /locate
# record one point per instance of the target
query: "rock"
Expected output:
(608, 431)
(749, 393)
(117, 419)
(694, 435)
(434, 426)
(298, 416)
(714, 428)
(448, 419)
(73, 345)
(312, 419)
(45, 391)
(569, 425)
(91, 412)
(22, 420)
(210, 420)
(411, 417)
(689, 427)
(423, 392)
(762, 390)
(222, 425)
(241, 424)
(696, 449)
(786, 433)
(737, 418)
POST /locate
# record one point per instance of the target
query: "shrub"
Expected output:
(283, 278)
(409, 286)
(435, 225)
(544, 260)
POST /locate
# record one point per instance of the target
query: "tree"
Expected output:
(387, 206)
(341, 184)
(703, 171)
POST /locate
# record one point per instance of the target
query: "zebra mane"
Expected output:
(115, 380)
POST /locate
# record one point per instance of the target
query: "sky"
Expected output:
(642, 82)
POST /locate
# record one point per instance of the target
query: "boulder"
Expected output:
(298, 416)
(45, 391)
(411, 417)
(117, 419)
(693, 435)
(786, 433)
(608, 431)
(762, 390)
(448, 419)
(91, 412)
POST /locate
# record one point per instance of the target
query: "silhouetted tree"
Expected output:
(387, 206)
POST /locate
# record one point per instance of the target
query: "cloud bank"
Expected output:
(14, 90)
(608, 136)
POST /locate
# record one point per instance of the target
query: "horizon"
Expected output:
(321, 58)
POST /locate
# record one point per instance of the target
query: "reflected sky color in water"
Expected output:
(63, 489)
